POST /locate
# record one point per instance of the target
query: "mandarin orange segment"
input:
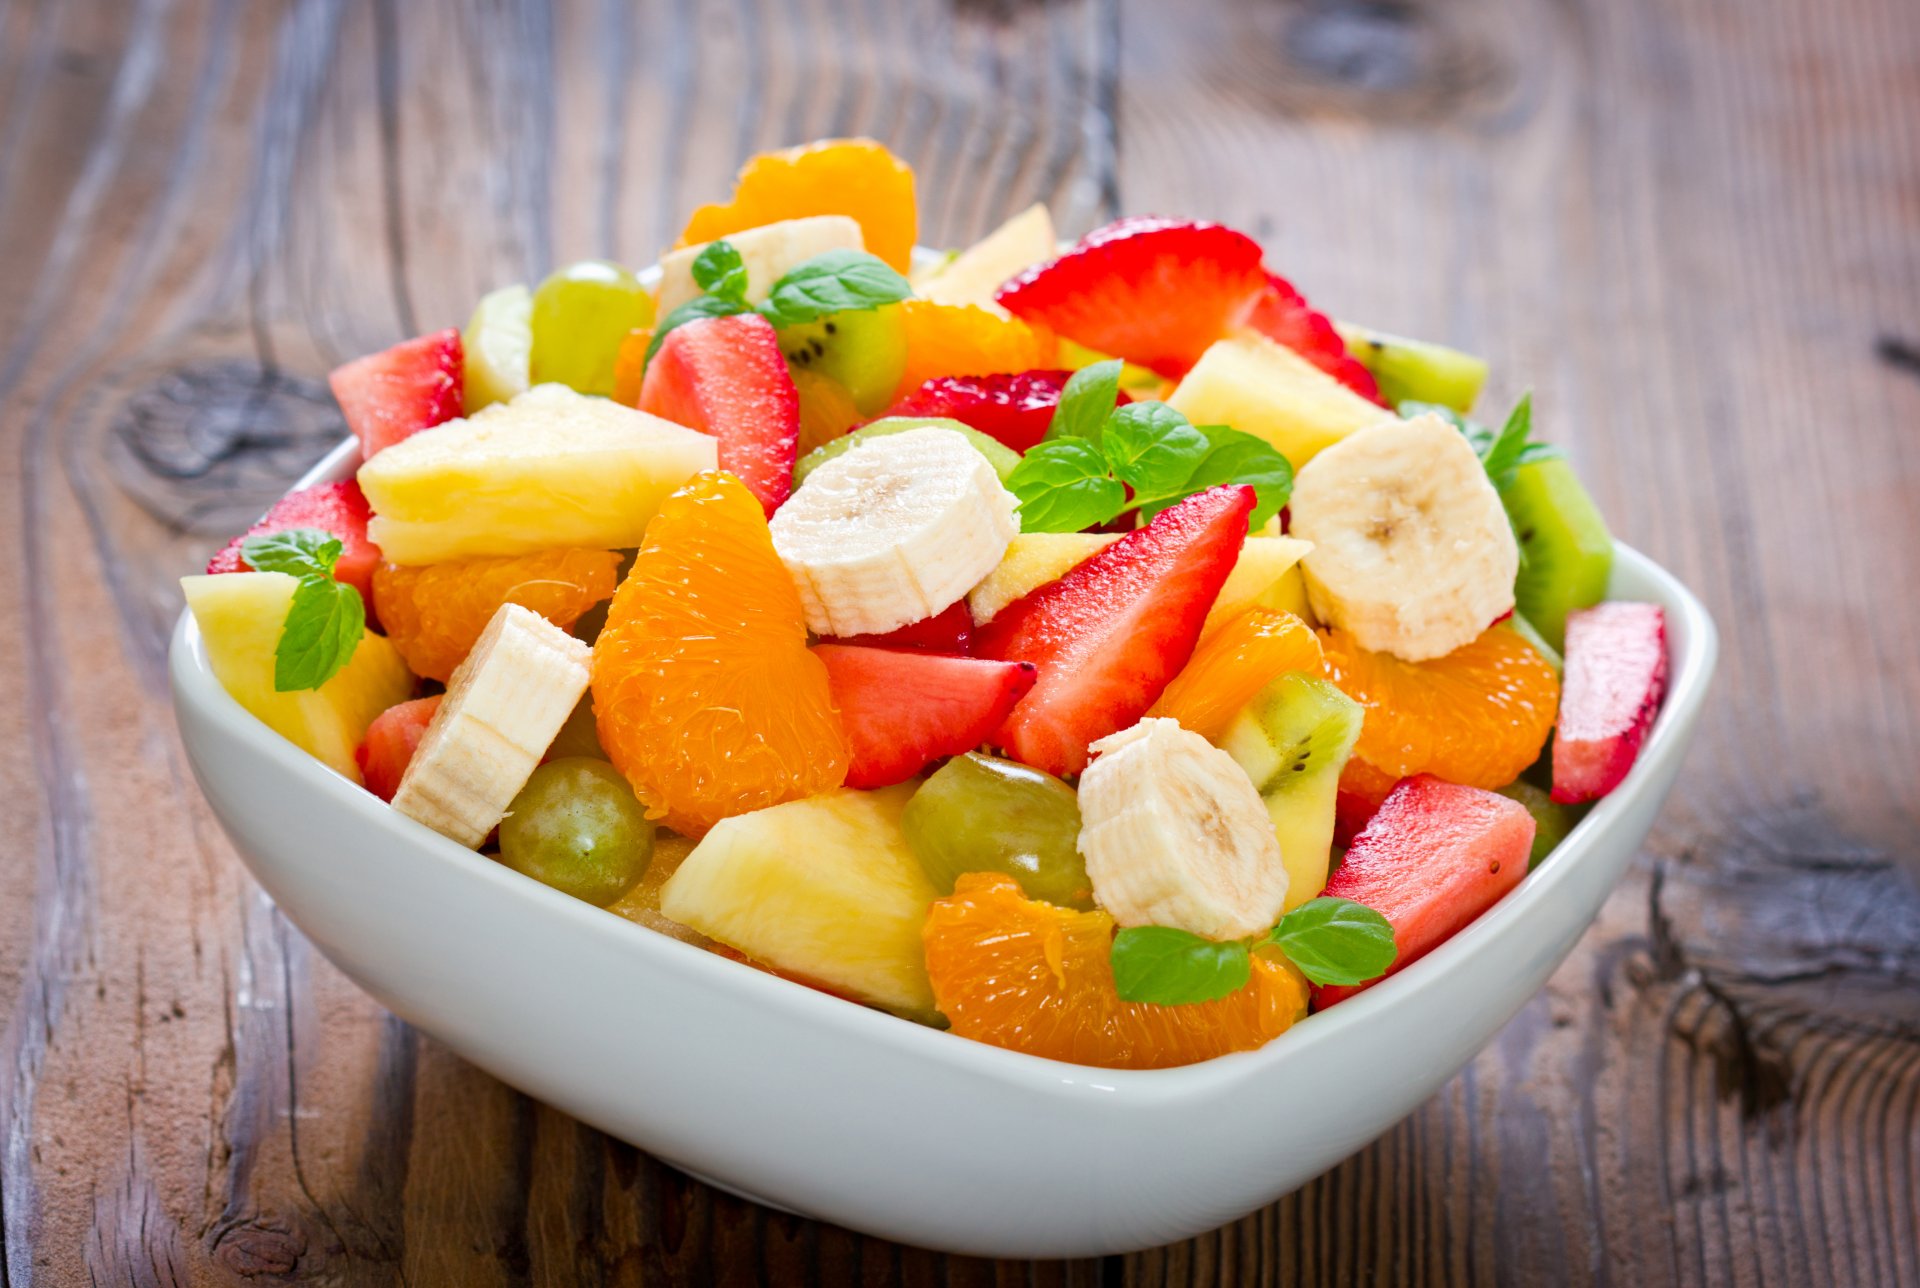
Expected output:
(826, 409)
(854, 177)
(630, 366)
(1034, 977)
(1234, 662)
(434, 613)
(965, 340)
(705, 694)
(1477, 716)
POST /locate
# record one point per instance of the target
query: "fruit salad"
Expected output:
(1089, 649)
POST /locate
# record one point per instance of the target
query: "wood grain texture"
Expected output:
(1692, 228)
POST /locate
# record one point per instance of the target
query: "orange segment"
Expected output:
(704, 692)
(854, 177)
(965, 340)
(433, 613)
(1033, 977)
(629, 365)
(1234, 662)
(826, 409)
(1477, 716)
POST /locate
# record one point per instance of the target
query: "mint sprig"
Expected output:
(1332, 941)
(1502, 453)
(325, 619)
(1086, 400)
(719, 270)
(836, 281)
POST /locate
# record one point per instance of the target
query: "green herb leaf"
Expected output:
(1172, 967)
(834, 282)
(1063, 487)
(700, 306)
(719, 270)
(1234, 457)
(1152, 449)
(1502, 453)
(1086, 401)
(323, 628)
(304, 552)
(1336, 941)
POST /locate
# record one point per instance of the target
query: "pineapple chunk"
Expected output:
(824, 888)
(977, 272)
(1032, 560)
(551, 468)
(1267, 575)
(1268, 390)
(240, 615)
(768, 253)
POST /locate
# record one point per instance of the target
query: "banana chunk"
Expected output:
(1174, 834)
(768, 253)
(1413, 554)
(896, 530)
(504, 705)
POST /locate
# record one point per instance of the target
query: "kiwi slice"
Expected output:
(1293, 740)
(1551, 821)
(1566, 552)
(865, 350)
(1414, 370)
(998, 454)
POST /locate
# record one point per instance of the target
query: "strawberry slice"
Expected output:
(727, 377)
(1436, 856)
(1153, 291)
(388, 748)
(1013, 408)
(948, 631)
(1281, 313)
(904, 710)
(1616, 674)
(338, 508)
(397, 392)
(1110, 634)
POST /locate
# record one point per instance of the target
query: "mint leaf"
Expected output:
(700, 306)
(1173, 967)
(1152, 448)
(1502, 453)
(718, 270)
(834, 282)
(1086, 400)
(304, 552)
(1063, 487)
(1336, 941)
(323, 628)
(1234, 457)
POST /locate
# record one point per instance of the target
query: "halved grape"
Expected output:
(581, 313)
(983, 814)
(576, 827)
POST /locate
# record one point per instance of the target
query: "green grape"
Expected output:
(983, 814)
(865, 350)
(581, 313)
(576, 827)
(579, 736)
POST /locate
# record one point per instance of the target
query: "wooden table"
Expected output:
(1692, 228)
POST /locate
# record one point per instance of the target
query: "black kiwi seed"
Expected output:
(832, 329)
(819, 349)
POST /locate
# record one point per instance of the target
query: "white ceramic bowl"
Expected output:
(812, 1104)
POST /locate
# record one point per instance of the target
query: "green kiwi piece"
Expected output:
(1416, 370)
(1566, 552)
(865, 350)
(1551, 821)
(998, 454)
(1293, 740)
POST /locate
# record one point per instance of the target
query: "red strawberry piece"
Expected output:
(1153, 291)
(338, 508)
(397, 392)
(383, 755)
(949, 631)
(1281, 313)
(1015, 409)
(1436, 856)
(1616, 674)
(727, 377)
(903, 710)
(1110, 634)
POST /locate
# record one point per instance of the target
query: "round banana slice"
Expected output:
(894, 531)
(1174, 834)
(1412, 551)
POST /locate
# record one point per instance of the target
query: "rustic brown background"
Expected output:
(1692, 228)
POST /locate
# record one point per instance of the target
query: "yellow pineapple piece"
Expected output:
(1266, 389)
(824, 888)
(1267, 575)
(240, 615)
(551, 468)
(973, 275)
(1032, 560)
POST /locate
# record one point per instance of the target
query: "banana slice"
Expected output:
(1412, 552)
(768, 253)
(504, 705)
(894, 531)
(1174, 834)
